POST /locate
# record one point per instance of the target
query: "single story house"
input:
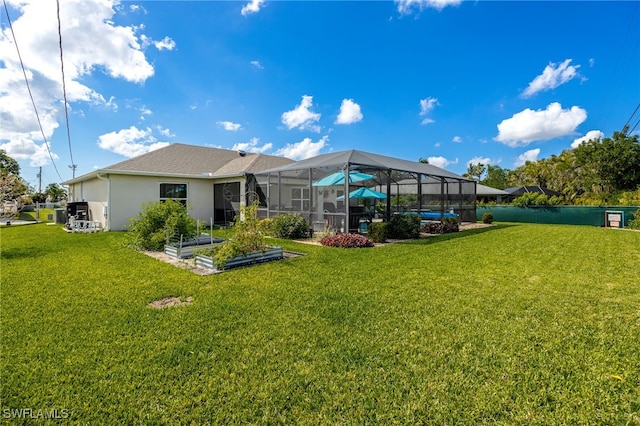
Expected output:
(488, 193)
(517, 191)
(212, 182)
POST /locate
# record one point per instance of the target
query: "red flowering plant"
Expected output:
(346, 241)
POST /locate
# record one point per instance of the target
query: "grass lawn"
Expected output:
(514, 324)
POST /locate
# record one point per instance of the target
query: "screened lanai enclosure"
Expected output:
(342, 190)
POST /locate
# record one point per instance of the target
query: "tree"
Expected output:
(12, 187)
(496, 177)
(475, 171)
(8, 164)
(616, 161)
(55, 192)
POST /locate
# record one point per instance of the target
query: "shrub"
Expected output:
(487, 218)
(157, 223)
(404, 226)
(446, 226)
(536, 199)
(346, 241)
(378, 231)
(266, 226)
(631, 198)
(290, 226)
(635, 222)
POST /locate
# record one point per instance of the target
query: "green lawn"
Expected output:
(515, 324)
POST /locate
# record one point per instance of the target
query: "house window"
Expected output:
(300, 199)
(173, 191)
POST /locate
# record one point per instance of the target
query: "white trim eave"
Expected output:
(107, 172)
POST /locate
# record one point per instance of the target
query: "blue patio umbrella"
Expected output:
(365, 193)
(337, 178)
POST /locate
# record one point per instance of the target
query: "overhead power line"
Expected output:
(625, 128)
(64, 90)
(603, 116)
(24, 73)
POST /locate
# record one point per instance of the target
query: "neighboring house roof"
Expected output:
(485, 191)
(194, 161)
(366, 159)
(519, 190)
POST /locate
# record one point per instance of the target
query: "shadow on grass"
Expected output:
(19, 252)
(454, 236)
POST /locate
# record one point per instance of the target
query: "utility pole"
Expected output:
(73, 168)
(40, 181)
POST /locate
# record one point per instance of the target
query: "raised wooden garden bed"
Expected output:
(271, 253)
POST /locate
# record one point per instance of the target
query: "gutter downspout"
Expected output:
(107, 226)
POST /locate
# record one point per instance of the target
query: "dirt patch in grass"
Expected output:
(170, 302)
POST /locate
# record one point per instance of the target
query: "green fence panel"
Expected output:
(568, 215)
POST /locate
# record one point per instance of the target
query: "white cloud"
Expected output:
(111, 104)
(304, 149)
(229, 125)
(441, 162)
(137, 8)
(167, 133)
(426, 106)
(456, 139)
(480, 160)
(591, 135)
(407, 7)
(528, 125)
(349, 112)
(253, 6)
(257, 64)
(301, 116)
(130, 142)
(91, 42)
(252, 146)
(165, 44)
(24, 148)
(531, 155)
(552, 77)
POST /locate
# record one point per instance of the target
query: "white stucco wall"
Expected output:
(94, 192)
(114, 199)
(129, 193)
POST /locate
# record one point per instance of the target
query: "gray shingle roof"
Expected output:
(184, 159)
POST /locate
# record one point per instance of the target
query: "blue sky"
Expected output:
(456, 82)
